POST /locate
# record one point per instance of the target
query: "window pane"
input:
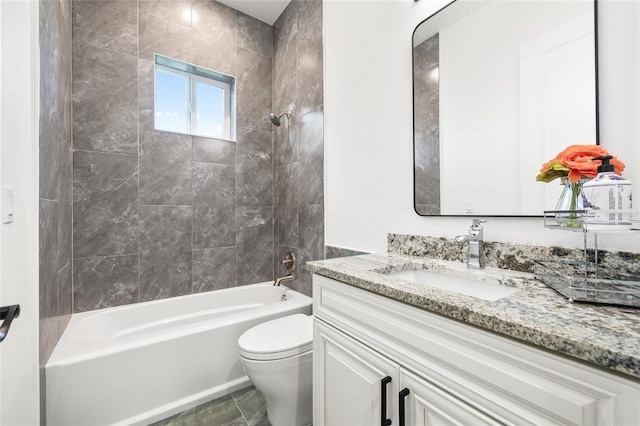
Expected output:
(209, 110)
(172, 102)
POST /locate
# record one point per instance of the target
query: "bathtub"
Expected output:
(140, 363)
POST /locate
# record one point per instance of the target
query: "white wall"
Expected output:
(19, 80)
(369, 135)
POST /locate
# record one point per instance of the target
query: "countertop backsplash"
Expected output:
(513, 256)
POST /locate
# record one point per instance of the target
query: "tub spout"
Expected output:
(286, 278)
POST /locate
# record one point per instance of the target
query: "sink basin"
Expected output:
(470, 287)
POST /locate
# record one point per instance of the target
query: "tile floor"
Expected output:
(245, 407)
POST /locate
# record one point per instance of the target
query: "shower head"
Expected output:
(275, 119)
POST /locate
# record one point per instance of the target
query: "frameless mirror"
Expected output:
(499, 88)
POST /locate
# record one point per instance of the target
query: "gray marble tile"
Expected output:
(310, 86)
(49, 24)
(253, 34)
(215, 50)
(48, 255)
(172, 11)
(427, 167)
(311, 157)
(210, 150)
(276, 245)
(214, 269)
(428, 209)
(255, 168)
(48, 336)
(105, 100)
(165, 251)
(253, 90)
(286, 141)
(112, 24)
(165, 169)
(332, 252)
(102, 282)
(305, 10)
(185, 418)
(65, 290)
(49, 123)
(255, 244)
(426, 128)
(145, 121)
(65, 95)
(146, 84)
(251, 403)
(287, 182)
(64, 225)
(160, 33)
(105, 205)
(222, 411)
(53, 154)
(311, 242)
(214, 205)
(55, 174)
(285, 60)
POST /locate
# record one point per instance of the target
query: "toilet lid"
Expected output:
(279, 338)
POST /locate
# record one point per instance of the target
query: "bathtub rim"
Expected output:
(59, 357)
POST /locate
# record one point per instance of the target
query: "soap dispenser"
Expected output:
(607, 199)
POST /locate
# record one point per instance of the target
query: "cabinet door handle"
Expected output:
(403, 394)
(384, 421)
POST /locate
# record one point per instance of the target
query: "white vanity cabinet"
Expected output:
(443, 371)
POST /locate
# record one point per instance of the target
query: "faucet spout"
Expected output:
(284, 279)
(465, 238)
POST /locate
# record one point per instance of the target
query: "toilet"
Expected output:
(277, 357)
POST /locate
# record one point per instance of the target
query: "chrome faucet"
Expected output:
(289, 263)
(475, 238)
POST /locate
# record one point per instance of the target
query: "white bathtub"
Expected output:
(140, 363)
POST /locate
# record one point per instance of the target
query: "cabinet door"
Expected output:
(347, 381)
(427, 404)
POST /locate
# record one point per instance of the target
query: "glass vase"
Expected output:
(570, 202)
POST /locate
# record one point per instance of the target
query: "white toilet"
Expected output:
(277, 357)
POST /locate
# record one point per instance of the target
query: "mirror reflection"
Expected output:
(499, 88)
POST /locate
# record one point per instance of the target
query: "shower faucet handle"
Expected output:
(289, 261)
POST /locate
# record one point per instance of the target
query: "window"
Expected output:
(193, 100)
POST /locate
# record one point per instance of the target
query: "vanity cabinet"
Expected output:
(454, 373)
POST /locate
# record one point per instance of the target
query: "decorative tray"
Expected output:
(587, 282)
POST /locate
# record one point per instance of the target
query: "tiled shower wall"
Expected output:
(160, 214)
(299, 141)
(55, 172)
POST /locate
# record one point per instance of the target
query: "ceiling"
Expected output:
(265, 10)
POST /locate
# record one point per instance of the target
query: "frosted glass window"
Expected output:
(193, 100)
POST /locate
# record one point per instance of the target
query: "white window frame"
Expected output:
(213, 78)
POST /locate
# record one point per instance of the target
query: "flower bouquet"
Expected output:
(573, 166)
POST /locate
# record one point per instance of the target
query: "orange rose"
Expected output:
(575, 162)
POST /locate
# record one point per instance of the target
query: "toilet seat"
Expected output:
(277, 339)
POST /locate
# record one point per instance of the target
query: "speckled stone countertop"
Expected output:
(606, 336)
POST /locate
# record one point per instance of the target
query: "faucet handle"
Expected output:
(289, 261)
(476, 223)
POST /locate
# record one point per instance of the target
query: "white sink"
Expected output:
(470, 287)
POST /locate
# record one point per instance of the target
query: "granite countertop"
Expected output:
(606, 336)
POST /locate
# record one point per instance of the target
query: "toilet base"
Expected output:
(286, 387)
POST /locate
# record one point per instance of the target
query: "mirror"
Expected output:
(499, 88)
